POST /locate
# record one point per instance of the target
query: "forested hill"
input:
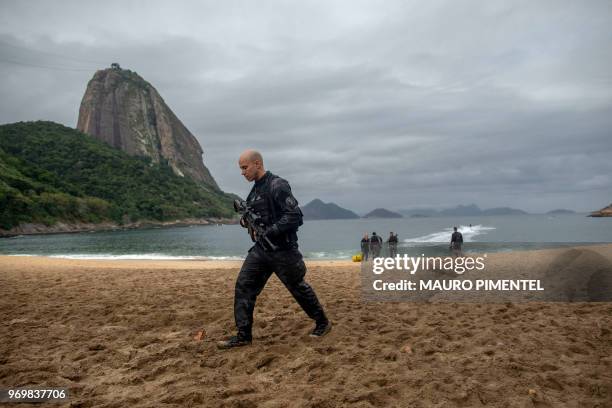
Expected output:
(50, 173)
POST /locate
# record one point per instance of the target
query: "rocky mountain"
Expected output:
(122, 109)
(382, 213)
(318, 210)
(604, 212)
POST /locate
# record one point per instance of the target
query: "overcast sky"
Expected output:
(368, 104)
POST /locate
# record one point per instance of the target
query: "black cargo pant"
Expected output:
(257, 269)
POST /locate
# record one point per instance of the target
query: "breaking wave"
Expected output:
(468, 232)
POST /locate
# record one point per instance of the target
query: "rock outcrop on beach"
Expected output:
(318, 210)
(125, 111)
(604, 212)
(382, 213)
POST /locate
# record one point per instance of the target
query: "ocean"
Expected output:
(329, 239)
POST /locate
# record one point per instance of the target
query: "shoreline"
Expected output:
(46, 261)
(77, 227)
(35, 261)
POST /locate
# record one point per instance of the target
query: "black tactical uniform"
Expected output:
(456, 240)
(271, 198)
(375, 245)
(392, 242)
(456, 243)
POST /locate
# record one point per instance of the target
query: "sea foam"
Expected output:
(468, 232)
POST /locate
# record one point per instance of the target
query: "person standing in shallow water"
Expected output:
(365, 247)
(271, 198)
(392, 243)
(375, 245)
(456, 243)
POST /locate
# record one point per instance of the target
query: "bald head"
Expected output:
(251, 165)
(251, 155)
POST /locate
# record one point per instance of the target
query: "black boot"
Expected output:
(234, 341)
(321, 329)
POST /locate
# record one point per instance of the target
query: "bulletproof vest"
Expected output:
(262, 205)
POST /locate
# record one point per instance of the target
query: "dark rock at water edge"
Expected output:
(604, 212)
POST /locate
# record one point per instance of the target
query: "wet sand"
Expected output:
(120, 334)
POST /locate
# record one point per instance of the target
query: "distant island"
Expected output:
(419, 212)
(604, 212)
(318, 210)
(382, 213)
(461, 211)
(561, 211)
(503, 211)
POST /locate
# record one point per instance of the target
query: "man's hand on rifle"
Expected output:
(243, 222)
(266, 237)
(272, 231)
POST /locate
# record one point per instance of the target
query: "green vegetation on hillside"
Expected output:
(51, 173)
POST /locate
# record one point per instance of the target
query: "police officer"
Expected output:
(272, 200)
(375, 245)
(456, 242)
(365, 247)
(392, 242)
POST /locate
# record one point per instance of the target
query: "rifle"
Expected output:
(254, 224)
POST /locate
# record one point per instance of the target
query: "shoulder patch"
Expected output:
(291, 202)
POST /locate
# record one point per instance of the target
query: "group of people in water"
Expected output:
(371, 246)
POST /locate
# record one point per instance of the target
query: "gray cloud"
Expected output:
(368, 104)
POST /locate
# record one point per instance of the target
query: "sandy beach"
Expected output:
(120, 334)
